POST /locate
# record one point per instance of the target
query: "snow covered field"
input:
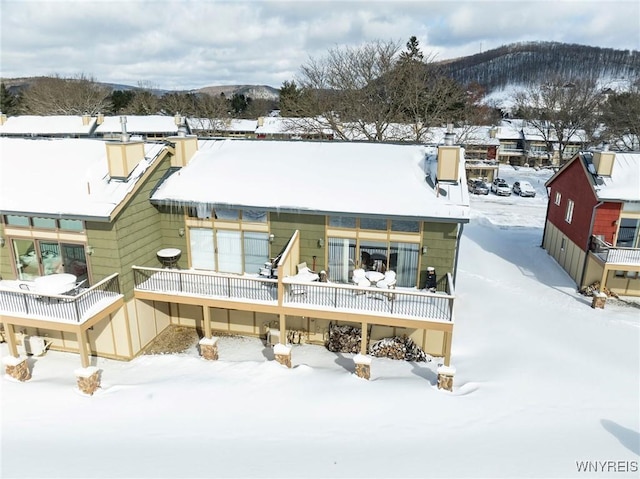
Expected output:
(545, 386)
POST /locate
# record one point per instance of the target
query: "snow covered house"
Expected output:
(148, 127)
(75, 218)
(277, 238)
(53, 126)
(593, 220)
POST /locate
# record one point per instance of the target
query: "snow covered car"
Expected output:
(478, 187)
(524, 188)
(500, 187)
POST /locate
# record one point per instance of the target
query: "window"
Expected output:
(568, 216)
(14, 220)
(628, 233)
(234, 251)
(373, 224)
(558, 198)
(44, 223)
(41, 258)
(342, 222)
(406, 226)
(202, 252)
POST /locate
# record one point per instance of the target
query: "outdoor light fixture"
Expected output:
(90, 250)
(320, 243)
(424, 250)
(2, 242)
(181, 232)
(271, 237)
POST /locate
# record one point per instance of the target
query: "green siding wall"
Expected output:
(6, 271)
(440, 240)
(132, 239)
(312, 228)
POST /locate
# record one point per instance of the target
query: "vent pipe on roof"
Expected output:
(124, 136)
(605, 146)
(182, 127)
(449, 135)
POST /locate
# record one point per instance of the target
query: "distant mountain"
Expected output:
(536, 62)
(499, 70)
(263, 92)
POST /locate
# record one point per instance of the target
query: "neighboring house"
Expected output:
(593, 220)
(55, 126)
(79, 207)
(511, 150)
(190, 232)
(229, 127)
(146, 127)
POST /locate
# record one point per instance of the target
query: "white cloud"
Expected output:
(190, 44)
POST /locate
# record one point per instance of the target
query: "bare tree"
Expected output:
(621, 118)
(560, 110)
(347, 93)
(212, 114)
(374, 92)
(65, 96)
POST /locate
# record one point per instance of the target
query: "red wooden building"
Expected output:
(593, 220)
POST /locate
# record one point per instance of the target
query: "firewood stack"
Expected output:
(595, 287)
(402, 348)
(344, 339)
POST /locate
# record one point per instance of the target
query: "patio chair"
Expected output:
(389, 282)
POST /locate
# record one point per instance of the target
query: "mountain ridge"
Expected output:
(522, 64)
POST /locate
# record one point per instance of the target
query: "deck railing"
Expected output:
(399, 302)
(610, 254)
(73, 308)
(204, 283)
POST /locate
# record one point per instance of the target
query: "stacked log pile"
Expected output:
(344, 339)
(398, 348)
(595, 287)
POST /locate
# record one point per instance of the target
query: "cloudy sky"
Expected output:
(186, 44)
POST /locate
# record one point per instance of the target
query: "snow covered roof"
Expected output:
(321, 177)
(32, 125)
(139, 124)
(232, 124)
(624, 182)
(63, 177)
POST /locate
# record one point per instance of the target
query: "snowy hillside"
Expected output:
(545, 386)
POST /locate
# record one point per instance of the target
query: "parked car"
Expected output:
(478, 187)
(524, 188)
(500, 187)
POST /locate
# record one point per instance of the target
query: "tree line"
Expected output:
(82, 94)
(365, 92)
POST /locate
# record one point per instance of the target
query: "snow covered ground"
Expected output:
(545, 385)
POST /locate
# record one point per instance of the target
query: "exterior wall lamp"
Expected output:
(320, 243)
(181, 232)
(424, 250)
(90, 250)
(2, 242)
(271, 237)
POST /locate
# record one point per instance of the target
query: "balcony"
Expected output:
(66, 309)
(609, 254)
(317, 299)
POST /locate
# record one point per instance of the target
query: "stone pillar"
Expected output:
(88, 379)
(599, 299)
(282, 354)
(363, 365)
(17, 367)
(445, 377)
(209, 348)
